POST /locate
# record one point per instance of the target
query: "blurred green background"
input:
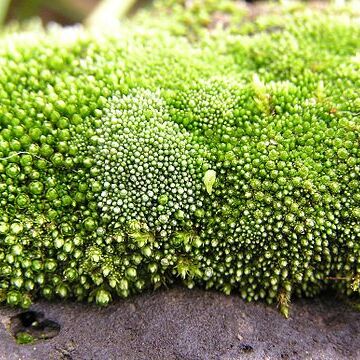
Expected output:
(65, 12)
(70, 11)
(61, 11)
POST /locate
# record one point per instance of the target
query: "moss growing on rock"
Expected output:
(130, 160)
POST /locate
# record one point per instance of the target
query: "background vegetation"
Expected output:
(68, 12)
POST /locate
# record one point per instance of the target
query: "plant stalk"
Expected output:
(4, 7)
(109, 12)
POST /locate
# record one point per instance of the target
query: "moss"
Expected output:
(136, 159)
(24, 338)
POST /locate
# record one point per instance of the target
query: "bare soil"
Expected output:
(186, 324)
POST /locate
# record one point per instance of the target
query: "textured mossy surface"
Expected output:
(226, 156)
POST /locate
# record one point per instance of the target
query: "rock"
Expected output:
(183, 324)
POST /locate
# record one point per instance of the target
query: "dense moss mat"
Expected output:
(227, 157)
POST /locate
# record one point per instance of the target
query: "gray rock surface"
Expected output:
(192, 325)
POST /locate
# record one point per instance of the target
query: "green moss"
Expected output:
(23, 338)
(229, 160)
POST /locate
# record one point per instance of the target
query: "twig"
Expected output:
(337, 278)
(22, 153)
(108, 12)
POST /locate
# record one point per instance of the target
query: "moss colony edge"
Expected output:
(230, 161)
